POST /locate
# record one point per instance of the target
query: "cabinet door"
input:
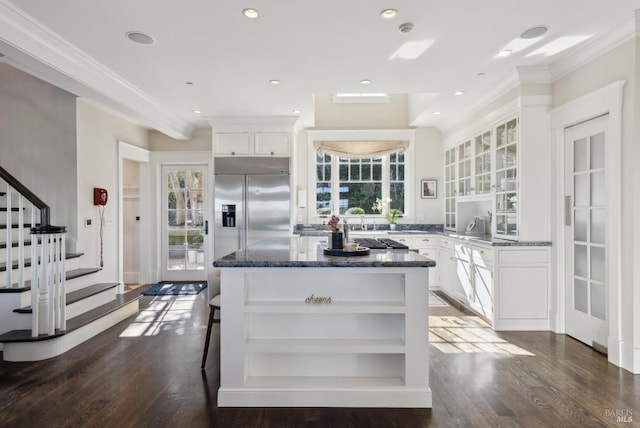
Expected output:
(434, 272)
(233, 143)
(463, 283)
(483, 289)
(446, 271)
(272, 143)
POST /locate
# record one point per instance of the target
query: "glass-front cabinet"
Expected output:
(450, 188)
(506, 211)
(482, 156)
(464, 169)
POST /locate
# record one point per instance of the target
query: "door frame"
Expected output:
(142, 156)
(606, 100)
(182, 158)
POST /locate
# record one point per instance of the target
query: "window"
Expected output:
(358, 183)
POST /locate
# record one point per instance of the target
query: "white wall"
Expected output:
(622, 63)
(38, 142)
(429, 164)
(330, 115)
(98, 133)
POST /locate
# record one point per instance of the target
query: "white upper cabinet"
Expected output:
(503, 161)
(252, 136)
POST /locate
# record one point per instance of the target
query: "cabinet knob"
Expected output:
(272, 153)
(425, 240)
(233, 153)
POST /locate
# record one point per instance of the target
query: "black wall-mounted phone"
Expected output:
(100, 196)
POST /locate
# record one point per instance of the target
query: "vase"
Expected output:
(392, 226)
(336, 241)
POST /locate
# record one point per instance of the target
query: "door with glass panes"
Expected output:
(586, 287)
(184, 222)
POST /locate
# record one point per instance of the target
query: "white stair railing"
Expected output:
(48, 255)
(48, 296)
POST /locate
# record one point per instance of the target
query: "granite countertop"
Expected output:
(299, 251)
(481, 239)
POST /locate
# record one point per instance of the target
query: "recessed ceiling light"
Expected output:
(197, 111)
(365, 81)
(297, 111)
(534, 32)
(458, 93)
(504, 53)
(436, 113)
(142, 38)
(388, 13)
(274, 81)
(250, 13)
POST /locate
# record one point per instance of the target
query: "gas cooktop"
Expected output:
(380, 243)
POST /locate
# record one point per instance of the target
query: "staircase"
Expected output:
(67, 307)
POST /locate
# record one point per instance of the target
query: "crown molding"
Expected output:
(507, 85)
(595, 47)
(62, 62)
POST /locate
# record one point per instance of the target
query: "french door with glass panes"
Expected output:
(586, 287)
(184, 222)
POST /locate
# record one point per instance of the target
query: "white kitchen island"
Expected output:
(301, 329)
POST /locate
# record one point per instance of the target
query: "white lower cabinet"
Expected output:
(428, 246)
(506, 285)
(329, 337)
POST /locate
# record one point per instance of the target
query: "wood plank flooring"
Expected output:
(145, 372)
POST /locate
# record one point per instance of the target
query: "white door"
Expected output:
(184, 222)
(586, 259)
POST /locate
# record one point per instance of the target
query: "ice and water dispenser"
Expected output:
(228, 215)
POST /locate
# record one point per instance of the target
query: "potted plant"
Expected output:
(335, 236)
(393, 214)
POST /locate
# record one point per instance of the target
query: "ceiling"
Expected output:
(320, 47)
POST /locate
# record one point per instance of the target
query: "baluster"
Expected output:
(48, 262)
(62, 281)
(21, 267)
(35, 308)
(8, 240)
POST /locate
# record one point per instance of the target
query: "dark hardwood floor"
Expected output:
(145, 372)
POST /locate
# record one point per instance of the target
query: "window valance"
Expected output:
(360, 149)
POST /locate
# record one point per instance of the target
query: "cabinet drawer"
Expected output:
(482, 253)
(446, 243)
(523, 256)
(403, 239)
(426, 241)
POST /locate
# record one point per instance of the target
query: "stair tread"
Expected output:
(16, 226)
(27, 262)
(14, 244)
(78, 295)
(75, 322)
(71, 274)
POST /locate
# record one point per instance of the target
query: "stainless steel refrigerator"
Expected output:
(252, 202)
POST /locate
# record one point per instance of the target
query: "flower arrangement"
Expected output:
(394, 213)
(333, 223)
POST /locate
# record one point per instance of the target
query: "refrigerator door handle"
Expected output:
(240, 238)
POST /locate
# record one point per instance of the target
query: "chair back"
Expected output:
(213, 282)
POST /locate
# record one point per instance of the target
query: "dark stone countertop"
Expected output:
(299, 251)
(482, 239)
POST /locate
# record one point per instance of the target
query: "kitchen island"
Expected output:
(302, 329)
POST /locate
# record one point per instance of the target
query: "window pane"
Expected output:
(327, 172)
(323, 198)
(401, 172)
(396, 193)
(359, 195)
(366, 172)
(319, 173)
(377, 172)
(355, 172)
(344, 172)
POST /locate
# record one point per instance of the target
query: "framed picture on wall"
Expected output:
(429, 189)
